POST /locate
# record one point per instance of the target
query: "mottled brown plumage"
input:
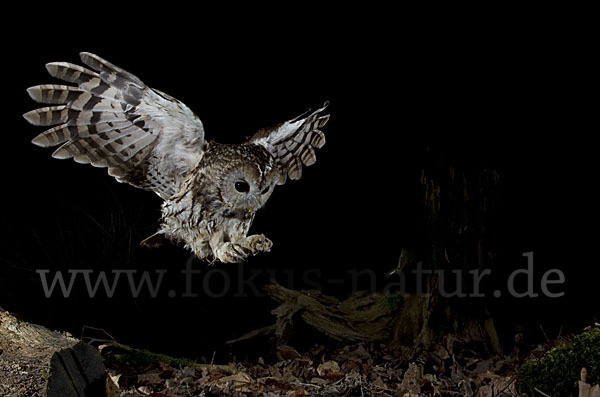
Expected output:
(149, 139)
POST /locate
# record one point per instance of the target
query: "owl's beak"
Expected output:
(253, 205)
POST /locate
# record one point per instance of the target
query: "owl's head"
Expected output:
(248, 179)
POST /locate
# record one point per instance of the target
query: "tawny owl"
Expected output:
(211, 191)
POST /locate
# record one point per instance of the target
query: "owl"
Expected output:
(210, 191)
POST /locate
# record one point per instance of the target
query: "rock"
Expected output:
(77, 371)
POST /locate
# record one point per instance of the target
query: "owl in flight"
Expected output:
(211, 191)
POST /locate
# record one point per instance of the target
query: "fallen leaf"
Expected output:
(144, 390)
(350, 365)
(287, 353)
(328, 367)
(240, 381)
(297, 392)
(150, 378)
(112, 385)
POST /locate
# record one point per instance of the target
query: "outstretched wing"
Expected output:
(112, 119)
(292, 143)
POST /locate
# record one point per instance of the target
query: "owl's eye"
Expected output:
(265, 191)
(242, 187)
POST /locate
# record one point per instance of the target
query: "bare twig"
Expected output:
(512, 380)
(362, 393)
(544, 332)
(305, 384)
(541, 392)
(103, 331)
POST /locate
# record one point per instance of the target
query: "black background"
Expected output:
(519, 101)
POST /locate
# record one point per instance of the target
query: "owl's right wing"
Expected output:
(112, 119)
(292, 143)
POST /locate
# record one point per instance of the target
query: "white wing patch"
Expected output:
(292, 143)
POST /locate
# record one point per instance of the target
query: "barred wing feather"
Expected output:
(112, 119)
(292, 143)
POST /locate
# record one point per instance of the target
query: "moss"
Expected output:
(393, 302)
(141, 358)
(557, 372)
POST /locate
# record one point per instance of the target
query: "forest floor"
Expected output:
(452, 367)
(25, 352)
(360, 369)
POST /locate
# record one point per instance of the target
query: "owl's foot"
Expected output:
(231, 253)
(237, 252)
(257, 243)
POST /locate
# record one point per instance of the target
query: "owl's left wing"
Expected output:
(112, 119)
(292, 143)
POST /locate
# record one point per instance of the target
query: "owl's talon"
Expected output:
(241, 250)
(258, 243)
(265, 245)
(231, 253)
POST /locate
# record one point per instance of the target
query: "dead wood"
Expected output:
(361, 317)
